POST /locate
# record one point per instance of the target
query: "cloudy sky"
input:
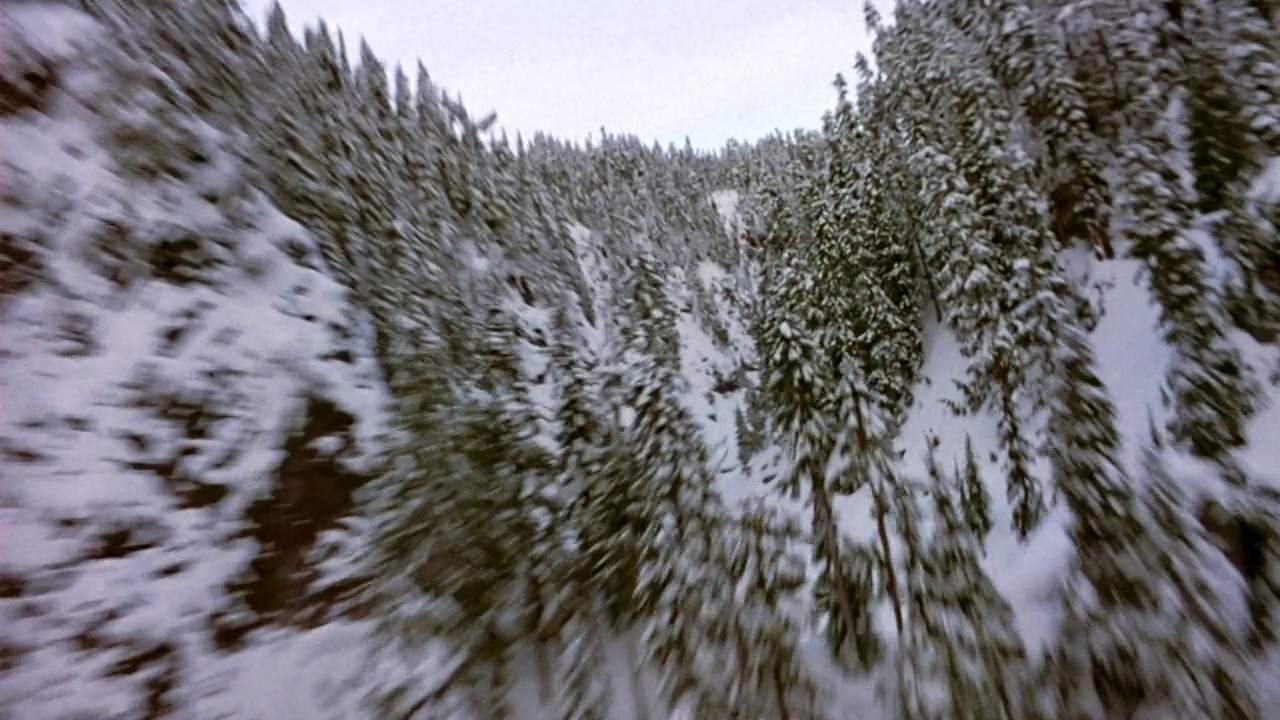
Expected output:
(662, 69)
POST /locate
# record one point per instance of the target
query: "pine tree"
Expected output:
(795, 386)
(323, 193)
(1219, 137)
(207, 47)
(859, 459)
(666, 444)
(1247, 235)
(1211, 634)
(373, 229)
(1001, 290)
(676, 509)
(1011, 353)
(1149, 623)
(865, 274)
(761, 665)
(975, 652)
(685, 584)
(289, 136)
(748, 428)
(836, 228)
(603, 510)
(786, 292)
(464, 530)
(1081, 443)
(1031, 61)
(1023, 489)
(975, 501)
(1208, 381)
(595, 593)
(914, 683)
(1262, 568)
(582, 693)
(649, 320)
(1237, 35)
(1255, 53)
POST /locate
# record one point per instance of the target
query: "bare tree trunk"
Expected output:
(928, 276)
(837, 574)
(891, 578)
(882, 519)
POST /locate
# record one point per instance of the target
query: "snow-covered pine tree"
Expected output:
(897, 513)
(681, 519)
(894, 197)
(373, 227)
(910, 680)
(1022, 487)
(289, 138)
(535, 512)
(796, 386)
(330, 202)
(975, 501)
(928, 186)
(1248, 236)
(647, 317)
(591, 598)
(583, 432)
(786, 298)
(858, 459)
(1154, 622)
(1234, 122)
(465, 531)
(430, 269)
(582, 693)
(866, 274)
(759, 658)
(603, 511)
(1208, 608)
(1255, 66)
(1210, 385)
(1012, 356)
(837, 230)
(1001, 291)
(1222, 148)
(707, 309)
(207, 47)
(976, 653)
(1262, 566)
(1081, 443)
(1030, 59)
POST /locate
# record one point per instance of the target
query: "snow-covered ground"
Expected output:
(162, 347)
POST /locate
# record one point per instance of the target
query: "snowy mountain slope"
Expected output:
(717, 375)
(188, 407)
(189, 402)
(1132, 360)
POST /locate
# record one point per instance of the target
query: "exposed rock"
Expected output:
(28, 90)
(1251, 542)
(310, 491)
(730, 383)
(21, 263)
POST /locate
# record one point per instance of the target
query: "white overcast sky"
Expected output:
(661, 69)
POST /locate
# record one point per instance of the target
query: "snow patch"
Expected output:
(1265, 189)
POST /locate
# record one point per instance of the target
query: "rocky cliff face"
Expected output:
(188, 401)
